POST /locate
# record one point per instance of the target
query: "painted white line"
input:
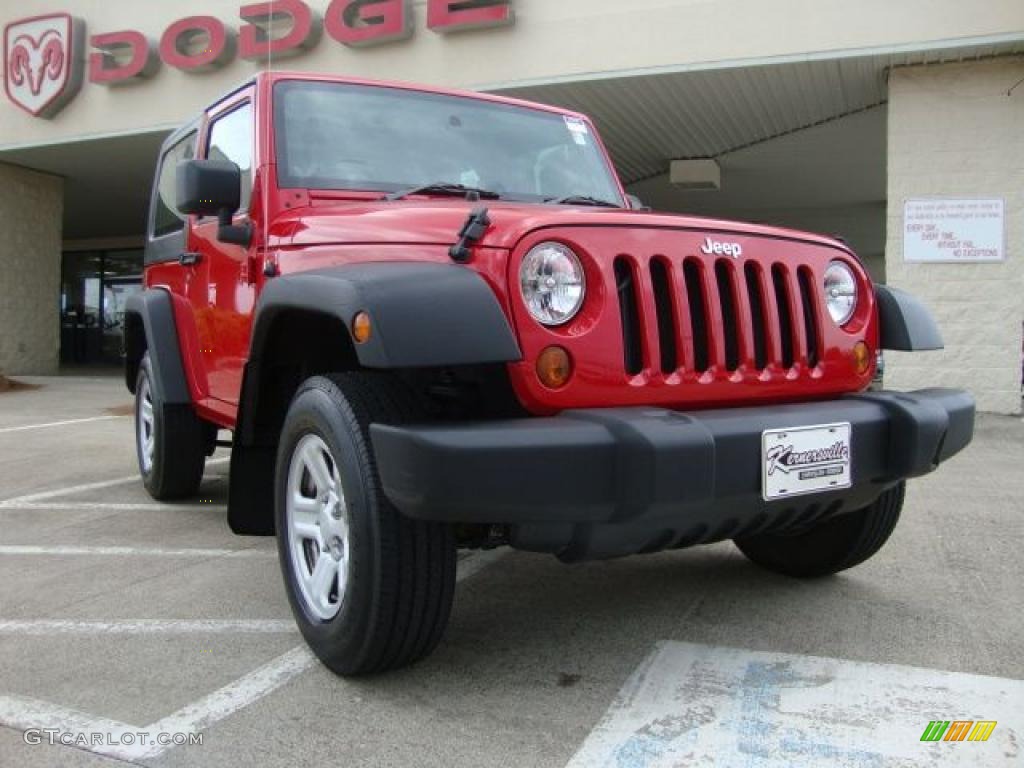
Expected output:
(50, 627)
(23, 713)
(476, 562)
(201, 714)
(34, 497)
(69, 422)
(71, 506)
(58, 551)
(690, 704)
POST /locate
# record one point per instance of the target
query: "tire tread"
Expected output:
(416, 559)
(180, 454)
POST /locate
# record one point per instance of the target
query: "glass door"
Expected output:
(122, 276)
(94, 287)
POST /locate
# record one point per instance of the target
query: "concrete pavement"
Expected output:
(122, 612)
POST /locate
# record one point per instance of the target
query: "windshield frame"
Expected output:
(381, 189)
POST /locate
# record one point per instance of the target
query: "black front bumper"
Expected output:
(606, 482)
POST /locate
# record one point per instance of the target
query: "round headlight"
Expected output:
(840, 292)
(552, 282)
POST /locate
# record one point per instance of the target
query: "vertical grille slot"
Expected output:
(698, 314)
(730, 329)
(757, 315)
(810, 318)
(785, 315)
(629, 311)
(666, 321)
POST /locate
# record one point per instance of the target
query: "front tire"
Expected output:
(370, 589)
(835, 545)
(170, 441)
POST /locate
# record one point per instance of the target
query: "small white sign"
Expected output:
(962, 231)
(805, 460)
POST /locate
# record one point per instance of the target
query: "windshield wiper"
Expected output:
(444, 188)
(581, 200)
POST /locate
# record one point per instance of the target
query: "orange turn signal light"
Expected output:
(861, 358)
(554, 367)
(362, 328)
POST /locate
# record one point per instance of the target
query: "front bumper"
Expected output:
(606, 482)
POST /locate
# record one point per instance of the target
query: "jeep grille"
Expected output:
(716, 314)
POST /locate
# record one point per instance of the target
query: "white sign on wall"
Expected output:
(954, 230)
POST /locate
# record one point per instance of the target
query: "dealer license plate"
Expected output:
(805, 460)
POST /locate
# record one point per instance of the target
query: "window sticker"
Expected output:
(578, 129)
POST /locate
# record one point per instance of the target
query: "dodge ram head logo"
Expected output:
(43, 62)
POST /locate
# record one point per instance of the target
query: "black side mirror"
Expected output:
(213, 188)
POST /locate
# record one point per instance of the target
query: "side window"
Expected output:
(167, 219)
(231, 140)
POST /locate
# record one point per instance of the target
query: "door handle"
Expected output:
(190, 258)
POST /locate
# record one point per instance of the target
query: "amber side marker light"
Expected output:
(554, 367)
(861, 358)
(362, 328)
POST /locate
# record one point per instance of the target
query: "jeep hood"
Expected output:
(437, 222)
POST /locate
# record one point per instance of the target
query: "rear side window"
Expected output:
(167, 219)
(231, 140)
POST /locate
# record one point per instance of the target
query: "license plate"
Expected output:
(805, 460)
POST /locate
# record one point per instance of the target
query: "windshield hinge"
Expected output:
(474, 228)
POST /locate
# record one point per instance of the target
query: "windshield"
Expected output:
(341, 136)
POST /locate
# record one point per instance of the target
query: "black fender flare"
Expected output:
(423, 314)
(905, 323)
(149, 317)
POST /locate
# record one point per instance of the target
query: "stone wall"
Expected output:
(31, 209)
(956, 131)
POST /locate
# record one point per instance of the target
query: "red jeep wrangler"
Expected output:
(435, 320)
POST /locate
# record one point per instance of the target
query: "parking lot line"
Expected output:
(29, 550)
(148, 627)
(85, 487)
(68, 422)
(477, 561)
(237, 695)
(705, 705)
(24, 713)
(62, 506)
(100, 485)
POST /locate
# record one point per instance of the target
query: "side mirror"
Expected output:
(636, 204)
(213, 188)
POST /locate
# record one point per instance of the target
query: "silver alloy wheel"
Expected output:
(318, 534)
(145, 424)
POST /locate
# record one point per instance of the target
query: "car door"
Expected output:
(230, 295)
(170, 262)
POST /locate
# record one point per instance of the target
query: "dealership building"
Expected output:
(897, 125)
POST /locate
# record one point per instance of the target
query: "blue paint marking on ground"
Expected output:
(639, 751)
(690, 705)
(761, 739)
(650, 743)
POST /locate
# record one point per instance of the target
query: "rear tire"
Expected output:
(170, 441)
(835, 545)
(370, 589)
